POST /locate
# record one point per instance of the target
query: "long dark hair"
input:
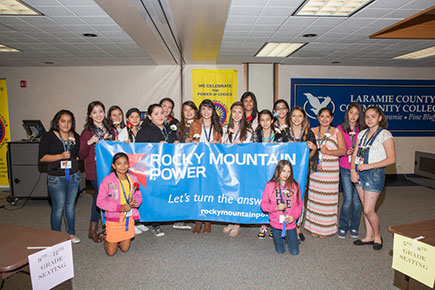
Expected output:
(290, 181)
(89, 125)
(244, 126)
(116, 157)
(384, 122)
(255, 109)
(55, 121)
(359, 123)
(109, 120)
(214, 117)
(265, 112)
(182, 124)
(288, 110)
(305, 122)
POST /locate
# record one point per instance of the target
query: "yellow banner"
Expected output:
(4, 133)
(414, 259)
(218, 85)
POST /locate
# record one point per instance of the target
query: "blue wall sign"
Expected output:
(409, 105)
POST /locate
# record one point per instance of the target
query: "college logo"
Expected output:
(221, 111)
(314, 104)
(138, 168)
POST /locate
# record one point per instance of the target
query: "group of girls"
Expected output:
(357, 156)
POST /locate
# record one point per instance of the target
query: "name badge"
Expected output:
(66, 164)
(129, 213)
(281, 218)
(359, 160)
(350, 158)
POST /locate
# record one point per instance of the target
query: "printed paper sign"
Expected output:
(414, 259)
(52, 266)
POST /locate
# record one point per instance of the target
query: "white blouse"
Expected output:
(377, 151)
(226, 140)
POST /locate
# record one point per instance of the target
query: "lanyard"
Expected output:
(64, 142)
(127, 198)
(271, 137)
(366, 143)
(352, 140)
(294, 136)
(236, 135)
(207, 136)
(165, 133)
(319, 143)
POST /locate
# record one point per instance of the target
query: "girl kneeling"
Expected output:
(282, 200)
(119, 197)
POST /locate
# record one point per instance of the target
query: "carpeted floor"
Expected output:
(181, 260)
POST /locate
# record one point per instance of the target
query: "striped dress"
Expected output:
(321, 216)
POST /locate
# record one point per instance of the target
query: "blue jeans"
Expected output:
(63, 196)
(350, 198)
(292, 241)
(95, 211)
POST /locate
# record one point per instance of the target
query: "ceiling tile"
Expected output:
(245, 11)
(88, 10)
(54, 11)
(67, 20)
(277, 11)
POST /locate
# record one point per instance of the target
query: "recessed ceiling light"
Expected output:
(309, 35)
(14, 7)
(334, 62)
(90, 35)
(427, 52)
(4, 48)
(48, 62)
(278, 49)
(343, 8)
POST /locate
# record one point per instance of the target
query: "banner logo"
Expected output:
(314, 104)
(138, 168)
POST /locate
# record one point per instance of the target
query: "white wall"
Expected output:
(50, 89)
(260, 82)
(405, 146)
(53, 88)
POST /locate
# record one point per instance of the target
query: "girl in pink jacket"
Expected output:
(282, 200)
(119, 196)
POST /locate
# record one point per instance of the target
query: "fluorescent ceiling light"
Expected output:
(4, 48)
(14, 7)
(331, 7)
(278, 49)
(427, 52)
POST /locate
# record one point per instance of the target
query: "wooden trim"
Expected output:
(275, 82)
(246, 76)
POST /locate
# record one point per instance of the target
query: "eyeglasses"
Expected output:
(280, 108)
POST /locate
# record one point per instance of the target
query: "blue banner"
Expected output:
(214, 182)
(409, 105)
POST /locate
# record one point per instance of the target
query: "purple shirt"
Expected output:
(344, 160)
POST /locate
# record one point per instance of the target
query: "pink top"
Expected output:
(109, 196)
(293, 201)
(344, 160)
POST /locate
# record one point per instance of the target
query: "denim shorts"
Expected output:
(372, 179)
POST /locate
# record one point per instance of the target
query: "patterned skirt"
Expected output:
(322, 203)
(115, 231)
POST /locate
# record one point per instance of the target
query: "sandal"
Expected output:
(235, 230)
(228, 228)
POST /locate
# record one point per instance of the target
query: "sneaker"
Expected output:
(137, 230)
(270, 234)
(75, 239)
(354, 234)
(158, 232)
(262, 233)
(181, 226)
(142, 227)
(341, 234)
